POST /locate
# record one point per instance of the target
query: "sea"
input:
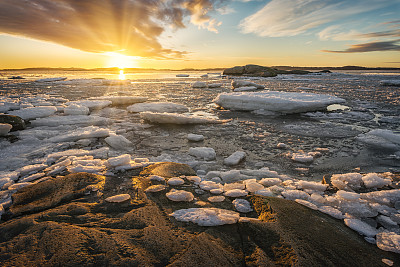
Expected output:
(360, 135)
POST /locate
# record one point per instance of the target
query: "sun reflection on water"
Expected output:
(121, 75)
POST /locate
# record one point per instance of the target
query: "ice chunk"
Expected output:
(390, 82)
(284, 102)
(302, 157)
(295, 194)
(206, 216)
(118, 142)
(19, 186)
(231, 186)
(75, 109)
(217, 191)
(5, 128)
(266, 192)
(373, 180)
(81, 133)
(387, 262)
(193, 179)
(195, 137)
(155, 188)
(240, 83)
(85, 168)
(235, 158)
(208, 185)
(159, 107)
(348, 181)
(386, 222)
(357, 208)
(361, 227)
(235, 193)
(206, 153)
(180, 195)
(242, 205)
(350, 196)
(245, 88)
(32, 177)
(216, 199)
(270, 181)
(306, 203)
(381, 139)
(78, 120)
(253, 187)
(99, 153)
(91, 104)
(261, 173)
(335, 213)
(119, 161)
(386, 197)
(175, 118)
(199, 84)
(34, 112)
(388, 241)
(214, 85)
(176, 181)
(121, 100)
(118, 198)
(30, 169)
(313, 185)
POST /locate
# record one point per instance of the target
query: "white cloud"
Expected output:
(225, 10)
(335, 33)
(292, 17)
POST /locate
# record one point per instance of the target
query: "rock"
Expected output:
(16, 122)
(206, 153)
(168, 170)
(238, 70)
(251, 70)
(195, 137)
(5, 128)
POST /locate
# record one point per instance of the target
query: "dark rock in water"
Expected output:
(298, 72)
(238, 70)
(251, 70)
(16, 78)
(325, 71)
(65, 226)
(16, 122)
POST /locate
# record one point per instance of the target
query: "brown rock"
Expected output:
(16, 122)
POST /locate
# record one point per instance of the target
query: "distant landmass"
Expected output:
(193, 69)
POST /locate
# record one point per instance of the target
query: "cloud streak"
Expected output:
(281, 18)
(130, 27)
(370, 47)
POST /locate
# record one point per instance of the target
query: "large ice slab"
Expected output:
(175, 118)
(158, 107)
(79, 120)
(206, 216)
(81, 133)
(34, 112)
(91, 104)
(381, 139)
(284, 102)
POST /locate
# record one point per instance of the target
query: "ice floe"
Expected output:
(34, 112)
(175, 118)
(195, 137)
(242, 205)
(78, 120)
(388, 241)
(175, 181)
(159, 107)
(91, 104)
(382, 139)
(283, 102)
(118, 198)
(199, 84)
(180, 195)
(75, 109)
(235, 158)
(121, 100)
(118, 142)
(206, 216)
(206, 153)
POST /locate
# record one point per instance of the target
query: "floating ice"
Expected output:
(121, 100)
(193, 179)
(382, 139)
(78, 120)
(350, 196)
(388, 241)
(208, 185)
(390, 82)
(5, 128)
(235, 158)
(118, 161)
(335, 213)
(195, 137)
(34, 112)
(118, 198)
(216, 199)
(32, 177)
(245, 88)
(232, 186)
(179, 195)
(284, 102)
(91, 104)
(159, 107)
(361, 227)
(155, 188)
(373, 180)
(206, 153)
(347, 181)
(242, 205)
(313, 185)
(176, 181)
(266, 192)
(19, 186)
(359, 208)
(118, 142)
(306, 203)
(235, 193)
(295, 194)
(217, 191)
(81, 133)
(199, 85)
(156, 178)
(214, 85)
(241, 83)
(30, 169)
(175, 118)
(385, 197)
(206, 216)
(270, 181)
(302, 157)
(98, 153)
(253, 187)
(75, 109)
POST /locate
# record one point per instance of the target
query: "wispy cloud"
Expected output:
(225, 10)
(370, 47)
(131, 27)
(292, 17)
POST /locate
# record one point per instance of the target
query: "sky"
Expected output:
(177, 34)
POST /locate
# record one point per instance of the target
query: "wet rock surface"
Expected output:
(80, 228)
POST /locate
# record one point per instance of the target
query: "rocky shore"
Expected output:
(68, 221)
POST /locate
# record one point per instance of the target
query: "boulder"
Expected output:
(16, 122)
(238, 70)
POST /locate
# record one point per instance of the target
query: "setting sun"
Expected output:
(121, 61)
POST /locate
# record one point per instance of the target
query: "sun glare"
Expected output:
(121, 75)
(121, 61)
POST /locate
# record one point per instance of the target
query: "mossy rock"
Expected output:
(168, 170)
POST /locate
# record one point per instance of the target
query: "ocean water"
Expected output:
(337, 132)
